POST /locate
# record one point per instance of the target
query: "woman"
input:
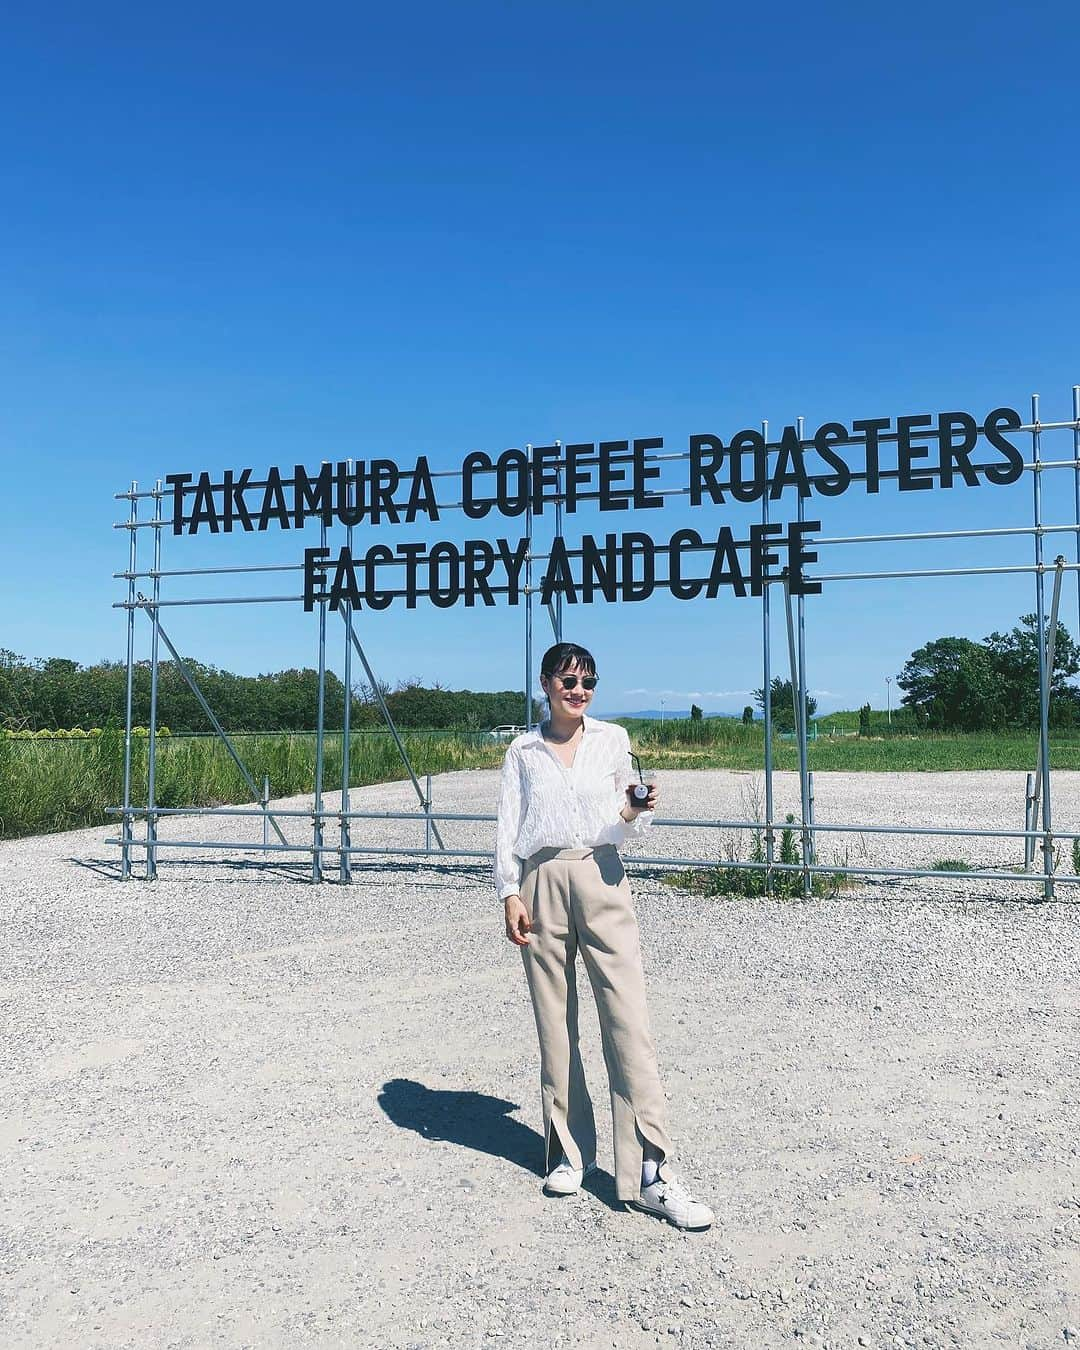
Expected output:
(563, 812)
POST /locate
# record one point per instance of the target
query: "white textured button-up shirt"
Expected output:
(545, 804)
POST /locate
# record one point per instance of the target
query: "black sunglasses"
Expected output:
(570, 681)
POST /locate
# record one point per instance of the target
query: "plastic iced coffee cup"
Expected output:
(637, 792)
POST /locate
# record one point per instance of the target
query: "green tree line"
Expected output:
(950, 684)
(56, 694)
(955, 684)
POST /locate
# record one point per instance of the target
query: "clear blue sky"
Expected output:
(251, 235)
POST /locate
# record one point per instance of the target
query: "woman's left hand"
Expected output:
(649, 804)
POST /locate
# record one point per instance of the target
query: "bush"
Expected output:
(749, 882)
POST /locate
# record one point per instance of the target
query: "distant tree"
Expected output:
(955, 684)
(366, 711)
(747, 715)
(1014, 659)
(58, 693)
(16, 676)
(864, 720)
(695, 713)
(365, 693)
(950, 683)
(413, 704)
(782, 703)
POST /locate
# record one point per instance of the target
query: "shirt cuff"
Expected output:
(634, 829)
(621, 831)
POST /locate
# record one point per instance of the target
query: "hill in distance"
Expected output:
(670, 714)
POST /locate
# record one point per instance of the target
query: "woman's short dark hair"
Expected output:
(565, 654)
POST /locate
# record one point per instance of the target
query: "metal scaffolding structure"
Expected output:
(1035, 833)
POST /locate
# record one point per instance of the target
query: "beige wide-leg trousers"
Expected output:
(580, 898)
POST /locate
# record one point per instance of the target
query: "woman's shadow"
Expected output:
(476, 1121)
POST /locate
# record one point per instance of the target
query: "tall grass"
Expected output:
(754, 881)
(50, 785)
(724, 743)
(61, 784)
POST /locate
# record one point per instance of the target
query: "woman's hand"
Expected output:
(518, 923)
(649, 804)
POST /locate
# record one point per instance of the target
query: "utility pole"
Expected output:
(888, 695)
(661, 712)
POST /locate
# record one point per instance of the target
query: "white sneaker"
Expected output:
(672, 1201)
(564, 1179)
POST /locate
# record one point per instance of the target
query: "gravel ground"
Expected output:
(243, 1110)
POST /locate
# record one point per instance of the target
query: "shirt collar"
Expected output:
(591, 724)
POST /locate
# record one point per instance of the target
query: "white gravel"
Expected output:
(242, 1110)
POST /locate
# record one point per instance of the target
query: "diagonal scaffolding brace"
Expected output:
(151, 612)
(374, 684)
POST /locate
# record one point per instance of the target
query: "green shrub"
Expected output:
(754, 881)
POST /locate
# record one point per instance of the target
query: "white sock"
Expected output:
(649, 1168)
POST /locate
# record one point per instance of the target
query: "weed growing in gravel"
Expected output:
(950, 865)
(732, 879)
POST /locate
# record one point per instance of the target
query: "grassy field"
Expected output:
(723, 743)
(48, 785)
